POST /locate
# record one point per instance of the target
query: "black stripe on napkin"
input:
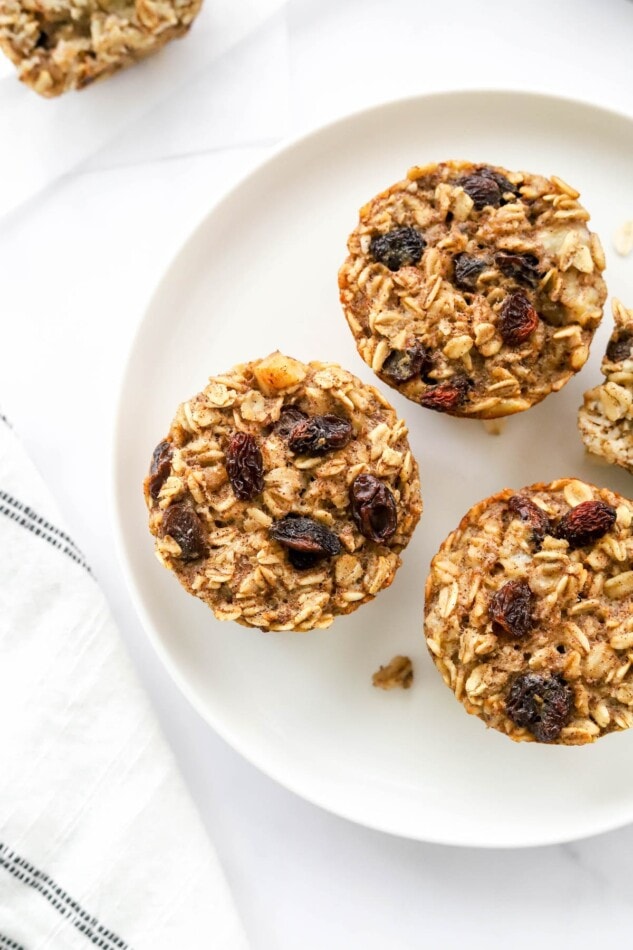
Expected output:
(7, 944)
(27, 518)
(20, 506)
(57, 897)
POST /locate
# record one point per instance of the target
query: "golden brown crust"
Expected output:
(59, 45)
(425, 303)
(246, 575)
(582, 611)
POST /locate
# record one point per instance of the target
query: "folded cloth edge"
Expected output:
(99, 841)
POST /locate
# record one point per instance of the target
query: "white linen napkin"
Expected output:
(42, 139)
(100, 844)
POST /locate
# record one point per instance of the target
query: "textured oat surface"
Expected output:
(422, 304)
(582, 607)
(59, 45)
(246, 576)
(605, 419)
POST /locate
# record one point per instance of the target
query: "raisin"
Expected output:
(448, 396)
(319, 435)
(397, 248)
(505, 186)
(373, 508)
(303, 560)
(483, 190)
(182, 524)
(288, 418)
(305, 537)
(511, 609)
(527, 511)
(518, 319)
(466, 270)
(403, 365)
(620, 349)
(160, 467)
(524, 268)
(542, 704)
(585, 523)
(245, 466)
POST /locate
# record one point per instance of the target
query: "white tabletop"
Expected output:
(78, 263)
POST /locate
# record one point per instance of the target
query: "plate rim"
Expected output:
(116, 483)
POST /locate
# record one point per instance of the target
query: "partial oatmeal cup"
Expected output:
(529, 612)
(474, 290)
(61, 45)
(605, 419)
(283, 494)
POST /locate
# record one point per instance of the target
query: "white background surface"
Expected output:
(78, 264)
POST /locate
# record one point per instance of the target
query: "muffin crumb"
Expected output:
(397, 674)
(494, 426)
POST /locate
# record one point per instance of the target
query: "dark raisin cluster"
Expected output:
(620, 346)
(447, 396)
(511, 609)
(517, 320)
(466, 270)
(319, 434)
(541, 704)
(306, 540)
(373, 508)
(524, 268)
(586, 523)
(488, 188)
(160, 467)
(245, 466)
(527, 511)
(182, 524)
(397, 248)
(404, 365)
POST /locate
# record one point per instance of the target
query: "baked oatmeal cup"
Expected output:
(283, 494)
(474, 290)
(61, 45)
(529, 612)
(605, 419)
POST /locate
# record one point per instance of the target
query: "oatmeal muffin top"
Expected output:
(474, 290)
(605, 419)
(283, 494)
(529, 612)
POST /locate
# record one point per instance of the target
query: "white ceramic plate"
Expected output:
(258, 274)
